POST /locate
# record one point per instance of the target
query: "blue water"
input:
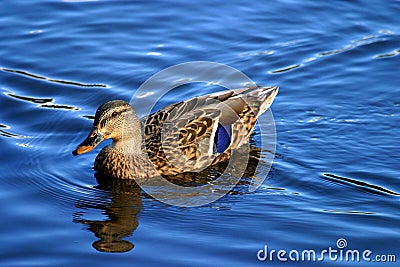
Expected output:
(335, 173)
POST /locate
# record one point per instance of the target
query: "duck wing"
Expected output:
(193, 134)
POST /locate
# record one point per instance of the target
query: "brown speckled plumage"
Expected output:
(176, 139)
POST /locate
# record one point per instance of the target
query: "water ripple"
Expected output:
(390, 54)
(52, 183)
(366, 40)
(361, 184)
(43, 102)
(350, 212)
(34, 100)
(36, 76)
(383, 37)
(285, 69)
(334, 51)
(5, 133)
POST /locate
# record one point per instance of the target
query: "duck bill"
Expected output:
(94, 138)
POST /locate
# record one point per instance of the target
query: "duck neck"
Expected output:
(131, 139)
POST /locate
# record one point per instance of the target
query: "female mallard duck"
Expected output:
(184, 137)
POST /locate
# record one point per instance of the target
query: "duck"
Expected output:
(186, 136)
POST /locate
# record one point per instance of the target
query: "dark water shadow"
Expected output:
(124, 203)
(121, 212)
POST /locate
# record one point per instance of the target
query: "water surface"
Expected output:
(335, 174)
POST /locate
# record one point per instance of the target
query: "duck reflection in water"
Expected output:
(126, 204)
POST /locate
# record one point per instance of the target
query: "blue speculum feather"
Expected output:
(222, 138)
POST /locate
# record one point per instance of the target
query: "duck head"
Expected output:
(109, 123)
